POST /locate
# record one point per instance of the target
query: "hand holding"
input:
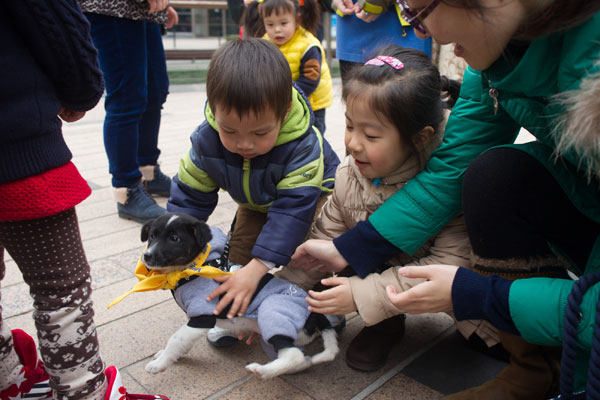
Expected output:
(238, 288)
(157, 5)
(319, 254)
(70, 116)
(346, 7)
(337, 300)
(366, 16)
(434, 295)
(172, 17)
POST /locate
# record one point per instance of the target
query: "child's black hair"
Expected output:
(249, 75)
(308, 11)
(411, 98)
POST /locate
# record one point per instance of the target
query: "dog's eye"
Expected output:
(151, 236)
(175, 238)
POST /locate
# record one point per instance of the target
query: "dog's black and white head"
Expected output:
(174, 241)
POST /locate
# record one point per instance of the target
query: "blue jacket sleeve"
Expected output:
(310, 71)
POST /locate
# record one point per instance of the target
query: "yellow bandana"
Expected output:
(154, 280)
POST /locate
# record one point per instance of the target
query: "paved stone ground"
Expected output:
(431, 360)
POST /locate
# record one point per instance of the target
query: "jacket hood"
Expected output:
(295, 124)
(579, 127)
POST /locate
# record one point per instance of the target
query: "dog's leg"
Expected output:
(330, 347)
(289, 359)
(179, 344)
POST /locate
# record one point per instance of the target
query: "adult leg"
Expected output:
(50, 254)
(516, 213)
(123, 58)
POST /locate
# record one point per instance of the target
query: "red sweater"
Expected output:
(43, 195)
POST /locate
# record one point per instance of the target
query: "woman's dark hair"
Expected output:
(249, 75)
(559, 16)
(308, 10)
(411, 98)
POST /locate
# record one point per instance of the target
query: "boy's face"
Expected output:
(280, 27)
(248, 135)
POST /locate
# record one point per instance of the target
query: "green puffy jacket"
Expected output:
(554, 64)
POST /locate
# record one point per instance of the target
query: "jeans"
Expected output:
(320, 120)
(132, 59)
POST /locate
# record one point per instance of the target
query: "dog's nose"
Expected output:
(148, 257)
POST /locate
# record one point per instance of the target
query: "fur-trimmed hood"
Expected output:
(579, 128)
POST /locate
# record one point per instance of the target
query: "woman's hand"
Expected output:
(337, 300)
(319, 254)
(70, 116)
(434, 295)
(366, 16)
(172, 17)
(157, 5)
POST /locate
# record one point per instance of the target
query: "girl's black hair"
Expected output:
(411, 98)
(559, 16)
(309, 12)
(249, 76)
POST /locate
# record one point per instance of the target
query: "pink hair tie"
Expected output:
(391, 61)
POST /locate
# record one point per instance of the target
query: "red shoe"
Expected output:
(32, 382)
(116, 391)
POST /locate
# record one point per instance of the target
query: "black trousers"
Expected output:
(517, 215)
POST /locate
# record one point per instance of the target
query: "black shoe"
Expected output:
(369, 350)
(140, 206)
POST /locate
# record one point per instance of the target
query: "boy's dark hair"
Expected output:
(411, 98)
(559, 16)
(249, 75)
(309, 11)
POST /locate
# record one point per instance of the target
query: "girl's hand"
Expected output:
(70, 116)
(337, 300)
(239, 288)
(157, 5)
(434, 295)
(172, 17)
(319, 254)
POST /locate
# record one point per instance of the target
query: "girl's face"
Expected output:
(280, 27)
(374, 143)
(478, 38)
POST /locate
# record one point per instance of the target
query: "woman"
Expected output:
(531, 209)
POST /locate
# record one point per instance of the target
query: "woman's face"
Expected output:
(479, 38)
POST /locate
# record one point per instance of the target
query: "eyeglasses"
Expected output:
(415, 17)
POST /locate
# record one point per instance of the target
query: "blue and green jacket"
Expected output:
(284, 183)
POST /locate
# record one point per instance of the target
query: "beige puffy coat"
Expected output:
(354, 199)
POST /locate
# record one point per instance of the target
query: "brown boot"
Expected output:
(533, 373)
(368, 351)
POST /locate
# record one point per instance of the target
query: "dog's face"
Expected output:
(174, 241)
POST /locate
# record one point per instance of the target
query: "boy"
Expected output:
(258, 144)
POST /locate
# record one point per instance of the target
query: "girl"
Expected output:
(394, 110)
(291, 26)
(531, 209)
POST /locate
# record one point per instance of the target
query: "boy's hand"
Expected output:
(319, 254)
(337, 300)
(239, 288)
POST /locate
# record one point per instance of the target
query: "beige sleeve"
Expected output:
(450, 246)
(330, 223)
(370, 298)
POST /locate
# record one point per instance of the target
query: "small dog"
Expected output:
(278, 310)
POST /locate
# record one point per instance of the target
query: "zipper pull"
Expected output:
(246, 165)
(493, 92)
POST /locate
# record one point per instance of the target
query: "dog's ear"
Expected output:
(202, 233)
(146, 229)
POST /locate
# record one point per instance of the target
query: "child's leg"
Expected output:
(10, 366)
(50, 254)
(248, 225)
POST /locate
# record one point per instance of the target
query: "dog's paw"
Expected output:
(156, 366)
(159, 353)
(258, 370)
